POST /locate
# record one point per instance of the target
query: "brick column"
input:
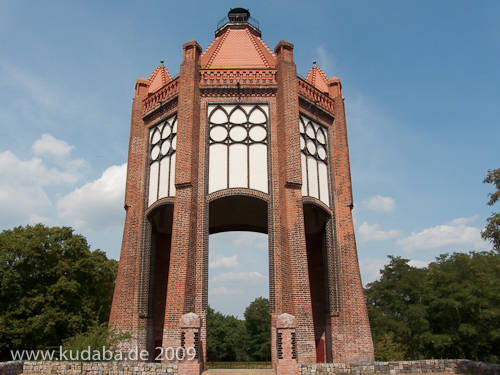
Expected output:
(286, 356)
(289, 243)
(190, 325)
(183, 280)
(129, 310)
(349, 326)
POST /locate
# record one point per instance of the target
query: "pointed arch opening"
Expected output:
(160, 219)
(315, 223)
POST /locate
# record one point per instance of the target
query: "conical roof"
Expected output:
(237, 47)
(159, 78)
(318, 79)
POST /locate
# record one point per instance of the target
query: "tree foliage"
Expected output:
(451, 309)
(51, 287)
(492, 230)
(258, 326)
(229, 337)
(226, 336)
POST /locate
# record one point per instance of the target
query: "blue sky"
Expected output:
(421, 85)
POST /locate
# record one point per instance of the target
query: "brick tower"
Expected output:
(239, 142)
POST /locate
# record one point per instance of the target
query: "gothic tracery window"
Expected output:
(238, 146)
(314, 146)
(162, 146)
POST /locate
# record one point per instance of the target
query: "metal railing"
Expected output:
(238, 361)
(252, 21)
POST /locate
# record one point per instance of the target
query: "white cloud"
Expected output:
(370, 269)
(220, 261)
(247, 277)
(23, 183)
(380, 204)
(97, 206)
(418, 263)
(47, 145)
(224, 291)
(455, 234)
(373, 233)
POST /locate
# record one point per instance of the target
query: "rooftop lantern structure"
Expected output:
(238, 16)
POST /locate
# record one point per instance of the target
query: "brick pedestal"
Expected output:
(190, 325)
(286, 356)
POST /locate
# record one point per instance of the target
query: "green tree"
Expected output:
(464, 306)
(258, 327)
(397, 311)
(226, 336)
(51, 287)
(492, 230)
(96, 337)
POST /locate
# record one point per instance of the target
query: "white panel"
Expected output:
(321, 136)
(164, 175)
(310, 131)
(257, 117)
(172, 175)
(238, 133)
(321, 152)
(166, 131)
(217, 173)
(156, 136)
(153, 182)
(257, 133)
(301, 127)
(258, 167)
(304, 175)
(323, 183)
(218, 117)
(238, 117)
(238, 166)
(218, 133)
(165, 147)
(155, 151)
(312, 170)
(311, 147)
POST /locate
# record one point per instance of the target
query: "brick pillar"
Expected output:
(349, 325)
(184, 282)
(129, 309)
(289, 243)
(190, 326)
(286, 348)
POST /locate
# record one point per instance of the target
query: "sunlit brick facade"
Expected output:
(238, 141)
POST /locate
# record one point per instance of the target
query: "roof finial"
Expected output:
(314, 63)
(161, 62)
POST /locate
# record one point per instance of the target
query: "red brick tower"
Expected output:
(239, 142)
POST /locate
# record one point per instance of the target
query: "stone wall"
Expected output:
(403, 367)
(11, 368)
(98, 368)
(143, 368)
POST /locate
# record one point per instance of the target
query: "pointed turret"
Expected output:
(159, 78)
(318, 78)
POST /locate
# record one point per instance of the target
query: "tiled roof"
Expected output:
(318, 79)
(159, 78)
(237, 48)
